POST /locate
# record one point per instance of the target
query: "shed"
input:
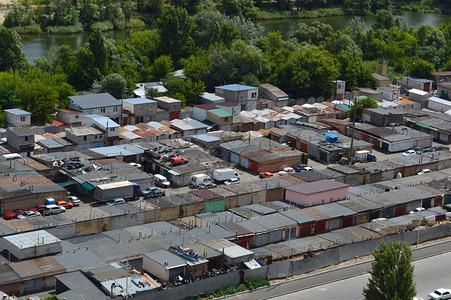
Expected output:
(163, 264)
(31, 244)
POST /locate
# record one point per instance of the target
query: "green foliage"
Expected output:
(248, 285)
(102, 26)
(181, 212)
(357, 7)
(422, 68)
(316, 33)
(114, 84)
(105, 227)
(187, 91)
(307, 73)
(11, 55)
(64, 29)
(32, 29)
(238, 8)
(391, 274)
(362, 103)
(134, 23)
(162, 66)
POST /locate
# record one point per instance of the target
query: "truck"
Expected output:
(121, 189)
(364, 156)
(222, 175)
(200, 179)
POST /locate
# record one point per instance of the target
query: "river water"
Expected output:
(38, 45)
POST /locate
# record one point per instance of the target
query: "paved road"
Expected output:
(323, 285)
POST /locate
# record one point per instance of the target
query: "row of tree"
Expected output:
(216, 49)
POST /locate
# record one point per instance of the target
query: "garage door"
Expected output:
(400, 210)
(234, 158)
(334, 224)
(305, 229)
(244, 162)
(437, 201)
(261, 240)
(319, 226)
(347, 222)
(275, 236)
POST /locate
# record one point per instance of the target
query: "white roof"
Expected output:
(155, 125)
(237, 251)
(418, 92)
(306, 105)
(440, 100)
(288, 108)
(130, 127)
(102, 121)
(32, 239)
(247, 114)
(130, 135)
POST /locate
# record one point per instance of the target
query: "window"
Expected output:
(85, 138)
(226, 119)
(139, 108)
(26, 139)
(115, 108)
(100, 136)
(77, 116)
(240, 97)
(102, 110)
(22, 119)
(254, 95)
(112, 129)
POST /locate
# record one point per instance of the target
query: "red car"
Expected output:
(266, 175)
(13, 214)
(39, 208)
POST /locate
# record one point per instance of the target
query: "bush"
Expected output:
(35, 28)
(133, 23)
(64, 29)
(102, 26)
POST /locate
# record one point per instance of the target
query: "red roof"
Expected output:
(205, 106)
(58, 123)
(206, 194)
(228, 104)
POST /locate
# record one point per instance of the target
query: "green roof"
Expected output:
(422, 125)
(220, 113)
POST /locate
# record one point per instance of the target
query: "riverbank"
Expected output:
(298, 14)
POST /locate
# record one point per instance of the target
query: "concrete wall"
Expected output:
(317, 198)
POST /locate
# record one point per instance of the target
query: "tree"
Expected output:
(391, 274)
(358, 7)
(362, 103)
(162, 66)
(176, 26)
(307, 73)
(422, 68)
(316, 33)
(97, 46)
(11, 54)
(187, 91)
(384, 19)
(114, 84)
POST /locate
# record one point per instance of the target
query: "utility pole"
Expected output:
(352, 131)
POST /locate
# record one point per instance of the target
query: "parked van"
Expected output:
(10, 156)
(161, 181)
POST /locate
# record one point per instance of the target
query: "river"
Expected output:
(38, 45)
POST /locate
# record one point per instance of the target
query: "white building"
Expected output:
(17, 117)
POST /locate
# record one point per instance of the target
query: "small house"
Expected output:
(17, 117)
(163, 264)
(244, 95)
(276, 95)
(102, 104)
(139, 110)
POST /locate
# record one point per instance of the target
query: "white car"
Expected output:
(115, 201)
(418, 209)
(439, 294)
(53, 209)
(379, 219)
(74, 200)
(409, 152)
(232, 181)
(29, 214)
(424, 171)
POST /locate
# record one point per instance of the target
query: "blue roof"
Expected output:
(236, 87)
(205, 138)
(139, 101)
(103, 121)
(50, 143)
(17, 111)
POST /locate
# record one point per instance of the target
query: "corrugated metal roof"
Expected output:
(220, 113)
(297, 216)
(235, 228)
(77, 259)
(317, 187)
(105, 122)
(95, 101)
(236, 87)
(139, 101)
(17, 111)
(334, 210)
(166, 259)
(275, 221)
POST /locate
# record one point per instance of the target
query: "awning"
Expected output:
(67, 183)
(422, 125)
(88, 186)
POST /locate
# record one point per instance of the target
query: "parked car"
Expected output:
(14, 214)
(436, 148)
(232, 181)
(53, 209)
(300, 167)
(439, 294)
(266, 175)
(152, 192)
(115, 201)
(424, 171)
(29, 214)
(65, 204)
(379, 219)
(39, 208)
(74, 200)
(409, 152)
(207, 185)
(418, 209)
(418, 150)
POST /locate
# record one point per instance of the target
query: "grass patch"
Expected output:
(64, 29)
(34, 29)
(248, 285)
(264, 14)
(134, 23)
(102, 26)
